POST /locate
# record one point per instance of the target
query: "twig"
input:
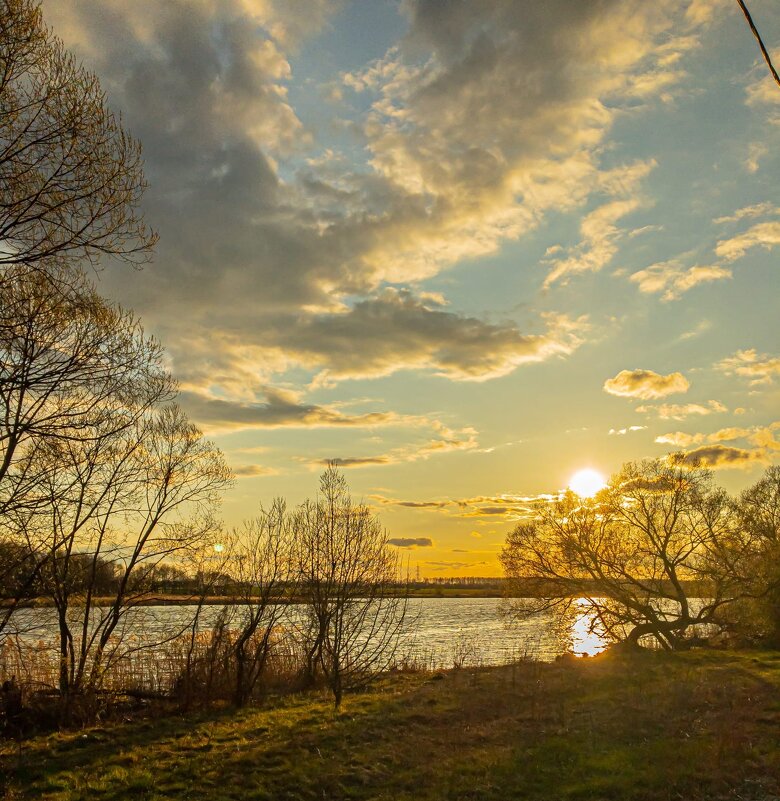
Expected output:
(760, 42)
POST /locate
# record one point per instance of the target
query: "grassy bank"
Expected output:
(701, 725)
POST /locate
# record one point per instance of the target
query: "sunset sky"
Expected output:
(466, 248)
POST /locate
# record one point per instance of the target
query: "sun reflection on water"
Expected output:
(585, 642)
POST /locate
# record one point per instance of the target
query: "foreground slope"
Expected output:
(701, 725)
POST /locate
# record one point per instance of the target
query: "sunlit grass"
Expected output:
(694, 726)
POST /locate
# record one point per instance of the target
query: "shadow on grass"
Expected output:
(650, 727)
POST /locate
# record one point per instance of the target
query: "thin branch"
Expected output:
(760, 42)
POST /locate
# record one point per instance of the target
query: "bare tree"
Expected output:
(651, 555)
(759, 508)
(264, 573)
(74, 370)
(67, 360)
(70, 177)
(349, 578)
(133, 497)
(757, 513)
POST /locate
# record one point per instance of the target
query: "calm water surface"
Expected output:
(443, 631)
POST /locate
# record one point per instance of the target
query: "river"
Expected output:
(442, 632)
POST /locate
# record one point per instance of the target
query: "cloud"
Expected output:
(447, 440)
(409, 504)
(600, 237)
(759, 368)
(645, 384)
(701, 328)
(510, 506)
(764, 437)
(765, 235)
(411, 542)
(398, 331)
(253, 470)
(728, 434)
(280, 409)
(484, 119)
(671, 279)
(755, 152)
(672, 411)
(724, 456)
(440, 566)
(353, 461)
(628, 430)
(763, 93)
(747, 212)
(679, 439)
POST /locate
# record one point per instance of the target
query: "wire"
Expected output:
(760, 42)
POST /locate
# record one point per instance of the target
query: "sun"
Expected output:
(586, 483)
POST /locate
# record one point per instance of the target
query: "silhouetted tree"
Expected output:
(70, 177)
(264, 571)
(134, 496)
(652, 554)
(349, 579)
(757, 513)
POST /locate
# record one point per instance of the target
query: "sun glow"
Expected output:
(586, 483)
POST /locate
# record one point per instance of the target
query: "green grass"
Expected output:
(701, 725)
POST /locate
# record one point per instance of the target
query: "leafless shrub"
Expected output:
(348, 578)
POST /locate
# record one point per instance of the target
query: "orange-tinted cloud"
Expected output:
(725, 456)
(645, 384)
(670, 279)
(765, 235)
(759, 368)
(679, 411)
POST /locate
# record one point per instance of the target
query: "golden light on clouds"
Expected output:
(500, 216)
(586, 483)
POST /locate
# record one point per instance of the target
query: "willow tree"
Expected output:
(652, 555)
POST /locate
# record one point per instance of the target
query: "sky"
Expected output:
(464, 248)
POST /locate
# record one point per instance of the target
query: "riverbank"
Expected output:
(699, 725)
(165, 599)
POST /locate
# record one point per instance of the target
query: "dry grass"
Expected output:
(694, 726)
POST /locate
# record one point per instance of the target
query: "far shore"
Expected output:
(155, 599)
